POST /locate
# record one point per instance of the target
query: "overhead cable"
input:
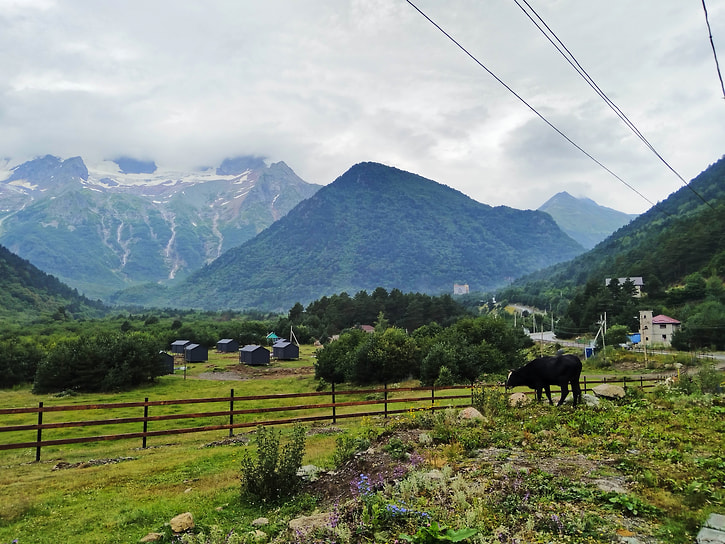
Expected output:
(714, 52)
(534, 110)
(571, 59)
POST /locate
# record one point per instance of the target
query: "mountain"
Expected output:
(374, 226)
(27, 293)
(126, 222)
(682, 235)
(583, 219)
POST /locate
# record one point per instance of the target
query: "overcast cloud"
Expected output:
(325, 84)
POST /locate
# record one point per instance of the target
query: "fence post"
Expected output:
(432, 398)
(385, 400)
(40, 432)
(334, 414)
(231, 413)
(145, 420)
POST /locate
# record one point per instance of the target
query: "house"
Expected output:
(283, 349)
(227, 345)
(167, 362)
(656, 330)
(195, 353)
(253, 354)
(637, 281)
(179, 345)
(367, 328)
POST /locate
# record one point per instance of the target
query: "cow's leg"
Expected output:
(538, 394)
(548, 393)
(576, 391)
(564, 393)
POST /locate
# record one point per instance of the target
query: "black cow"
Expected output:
(540, 373)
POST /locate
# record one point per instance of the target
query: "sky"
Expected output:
(325, 84)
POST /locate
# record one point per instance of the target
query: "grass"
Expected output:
(670, 447)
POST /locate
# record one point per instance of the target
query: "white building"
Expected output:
(656, 330)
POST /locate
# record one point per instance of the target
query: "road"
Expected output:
(549, 337)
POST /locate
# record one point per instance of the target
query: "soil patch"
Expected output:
(247, 372)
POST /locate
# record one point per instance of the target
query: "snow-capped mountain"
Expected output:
(115, 224)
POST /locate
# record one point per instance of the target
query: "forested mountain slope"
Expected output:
(376, 226)
(27, 293)
(682, 235)
(583, 219)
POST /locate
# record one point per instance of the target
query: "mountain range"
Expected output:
(583, 219)
(682, 236)
(374, 226)
(124, 222)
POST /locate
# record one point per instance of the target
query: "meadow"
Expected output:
(666, 445)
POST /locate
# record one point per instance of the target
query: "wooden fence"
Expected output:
(385, 401)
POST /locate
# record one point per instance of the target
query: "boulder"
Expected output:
(590, 400)
(518, 399)
(306, 524)
(182, 522)
(609, 391)
(470, 413)
(260, 522)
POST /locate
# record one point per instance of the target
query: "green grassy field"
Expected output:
(138, 490)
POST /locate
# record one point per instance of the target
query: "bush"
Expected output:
(273, 473)
(105, 362)
(709, 379)
(19, 362)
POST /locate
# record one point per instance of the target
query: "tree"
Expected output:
(104, 362)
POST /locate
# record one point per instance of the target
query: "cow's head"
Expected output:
(508, 378)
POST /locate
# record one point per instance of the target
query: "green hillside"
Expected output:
(27, 293)
(677, 247)
(583, 219)
(377, 226)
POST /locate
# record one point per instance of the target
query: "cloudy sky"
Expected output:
(325, 84)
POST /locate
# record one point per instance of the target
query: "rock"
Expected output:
(260, 522)
(590, 400)
(309, 473)
(258, 536)
(518, 399)
(152, 537)
(306, 524)
(470, 413)
(182, 522)
(609, 391)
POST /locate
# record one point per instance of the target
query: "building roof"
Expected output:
(664, 320)
(367, 328)
(180, 342)
(226, 341)
(636, 280)
(281, 344)
(252, 347)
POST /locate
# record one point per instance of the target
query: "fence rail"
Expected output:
(433, 398)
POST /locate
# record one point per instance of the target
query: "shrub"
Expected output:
(273, 473)
(104, 362)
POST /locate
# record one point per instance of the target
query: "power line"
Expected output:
(549, 123)
(534, 110)
(714, 52)
(571, 59)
